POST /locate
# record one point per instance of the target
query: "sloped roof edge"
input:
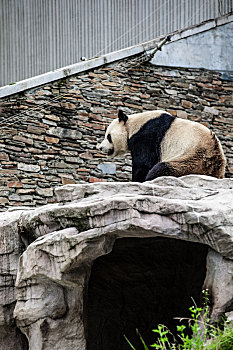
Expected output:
(109, 58)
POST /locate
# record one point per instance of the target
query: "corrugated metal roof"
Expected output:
(43, 35)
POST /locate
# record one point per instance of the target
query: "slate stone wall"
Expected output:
(48, 135)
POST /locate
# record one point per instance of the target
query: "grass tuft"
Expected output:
(204, 336)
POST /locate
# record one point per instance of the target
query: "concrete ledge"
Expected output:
(108, 58)
(75, 68)
(204, 26)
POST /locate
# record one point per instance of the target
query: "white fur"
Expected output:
(119, 136)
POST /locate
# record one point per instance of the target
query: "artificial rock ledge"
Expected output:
(48, 256)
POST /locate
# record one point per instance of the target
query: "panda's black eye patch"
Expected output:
(109, 138)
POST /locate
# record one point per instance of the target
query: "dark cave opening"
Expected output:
(143, 282)
(12, 338)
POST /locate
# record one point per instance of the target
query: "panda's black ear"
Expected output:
(122, 116)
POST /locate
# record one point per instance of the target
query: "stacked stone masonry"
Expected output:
(48, 135)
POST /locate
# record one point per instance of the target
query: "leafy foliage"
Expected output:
(204, 336)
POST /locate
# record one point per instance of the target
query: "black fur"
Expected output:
(122, 116)
(145, 145)
(109, 137)
(160, 169)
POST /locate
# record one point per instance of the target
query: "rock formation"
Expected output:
(74, 273)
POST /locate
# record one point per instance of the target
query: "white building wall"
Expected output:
(212, 49)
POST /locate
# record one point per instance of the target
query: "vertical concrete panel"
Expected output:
(211, 49)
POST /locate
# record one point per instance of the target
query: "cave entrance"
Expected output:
(143, 282)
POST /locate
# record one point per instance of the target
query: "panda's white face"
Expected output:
(115, 142)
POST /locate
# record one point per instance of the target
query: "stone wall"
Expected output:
(48, 135)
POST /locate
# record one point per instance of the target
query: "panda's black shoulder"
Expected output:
(161, 123)
(154, 129)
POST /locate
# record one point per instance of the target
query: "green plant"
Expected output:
(142, 341)
(221, 339)
(204, 336)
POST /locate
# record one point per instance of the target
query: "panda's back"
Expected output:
(185, 137)
(172, 136)
(138, 121)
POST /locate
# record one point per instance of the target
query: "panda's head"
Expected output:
(115, 142)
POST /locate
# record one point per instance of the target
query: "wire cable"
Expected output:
(128, 31)
(36, 108)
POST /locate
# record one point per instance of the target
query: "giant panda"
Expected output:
(164, 145)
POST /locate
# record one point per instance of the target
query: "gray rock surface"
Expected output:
(64, 239)
(107, 168)
(11, 247)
